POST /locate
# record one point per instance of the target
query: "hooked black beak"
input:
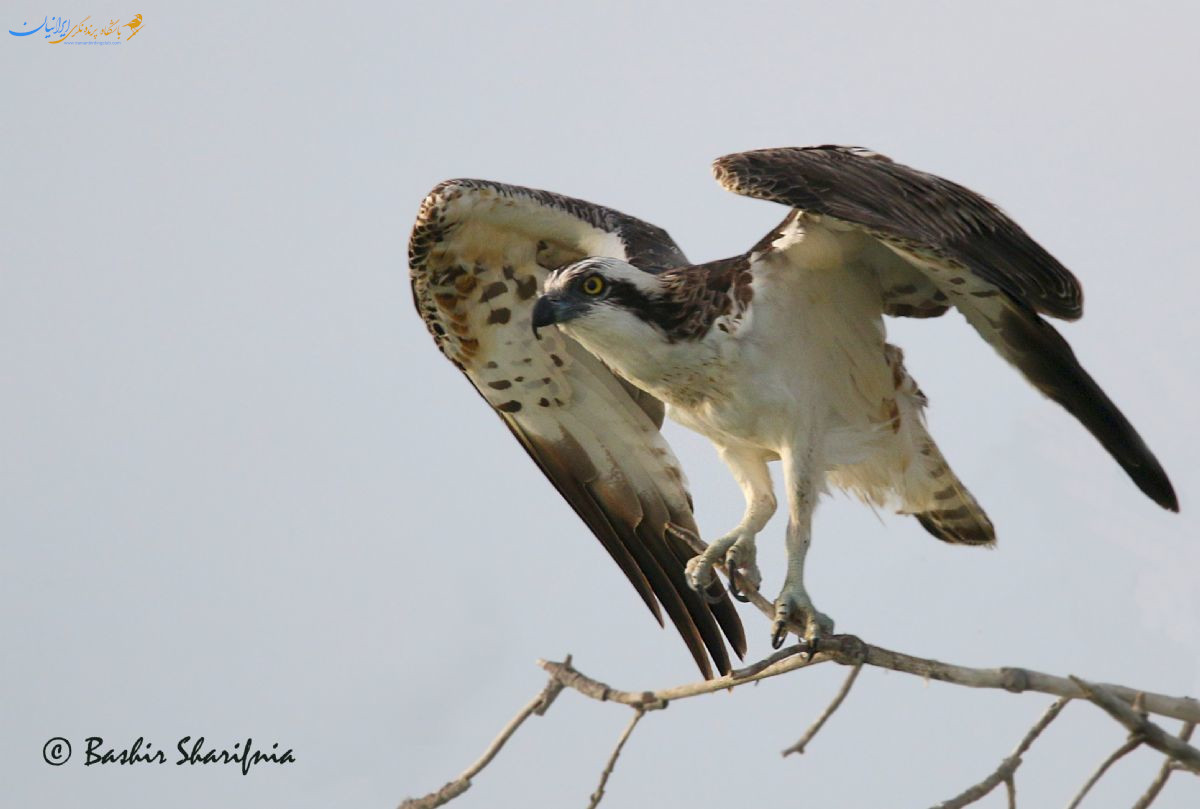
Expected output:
(545, 313)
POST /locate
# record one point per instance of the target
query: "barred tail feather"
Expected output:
(910, 473)
(943, 505)
(931, 491)
(959, 520)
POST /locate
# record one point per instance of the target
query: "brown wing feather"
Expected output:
(478, 256)
(926, 213)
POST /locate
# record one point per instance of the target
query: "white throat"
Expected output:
(680, 373)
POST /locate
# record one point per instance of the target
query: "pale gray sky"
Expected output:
(242, 493)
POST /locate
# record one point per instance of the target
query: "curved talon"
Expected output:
(714, 593)
(735, 591)
(779, 633)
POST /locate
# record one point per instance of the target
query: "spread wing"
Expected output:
(478, 255)
(932, 244)
(933, 218)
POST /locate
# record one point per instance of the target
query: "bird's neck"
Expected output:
(676, 371)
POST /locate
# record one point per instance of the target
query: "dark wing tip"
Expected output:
(1149, 476)
(1048, 362)
(1159, 489)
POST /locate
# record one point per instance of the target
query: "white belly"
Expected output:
(807, 363)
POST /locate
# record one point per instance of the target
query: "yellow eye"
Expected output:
(593, 285)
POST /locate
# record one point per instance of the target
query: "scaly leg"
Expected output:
(801, 475)
(736, 549)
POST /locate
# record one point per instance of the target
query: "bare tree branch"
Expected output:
(850, 650)
(798, 747)
(1164, 772)
(538, 705)
(550, 693)
(1004, 773)
(1152, 734)
(1132, 744)
(769, 660)
(572, 678)
(598, 795)
(1009, 678)
(565, 675)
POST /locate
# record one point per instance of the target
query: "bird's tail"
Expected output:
(957, 517)
(939, 500)
(909, 471)
(929, 489)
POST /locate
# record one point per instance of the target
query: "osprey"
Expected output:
(775, 354)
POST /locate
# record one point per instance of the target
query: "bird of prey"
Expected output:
(775, 354)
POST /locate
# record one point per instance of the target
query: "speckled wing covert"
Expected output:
(478, 255)
(956, 248)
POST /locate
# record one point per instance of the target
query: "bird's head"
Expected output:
(595, 297)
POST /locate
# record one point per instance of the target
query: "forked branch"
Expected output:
(1006, 772)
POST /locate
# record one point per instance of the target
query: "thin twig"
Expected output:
(538, 705)
(798, 747)
(1164, 772)
(571, 677)
(551, 692)
(1152, 734)
(1010, 787)
(1004, 773)
(770, 660)
(1133, 743)
(598, 795)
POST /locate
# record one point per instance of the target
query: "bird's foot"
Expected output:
(737, 552)
(795, 607)
(740, 565)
